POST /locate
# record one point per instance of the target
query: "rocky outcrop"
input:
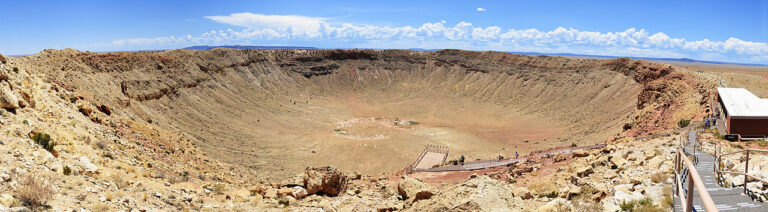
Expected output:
(7, 99)
(413, 190)
(479, 194)
(3, 59)
(324, 180)
(556, 205)
(663, 85)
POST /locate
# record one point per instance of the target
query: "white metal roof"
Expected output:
(741, 102)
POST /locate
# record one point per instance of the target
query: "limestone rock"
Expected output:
(655, 162)
(298, 192)
(612, 203)
(650, 153)
(559, 157)
(3, 59)
(6, 200)
(270, 193)
(87, 165)
(479, 194)
(556, 205)
(414, 190)
(324, 180)
(283, 192)
(7, 99)
(618, 162)
(523, 193)
(569, 190)
(583, 171)
(580, 153)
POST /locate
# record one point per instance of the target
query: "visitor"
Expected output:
(516, 155)
(461, 160)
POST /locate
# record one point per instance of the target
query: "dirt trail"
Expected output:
(276, 111)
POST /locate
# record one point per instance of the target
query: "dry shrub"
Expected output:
(587, 206)
(219, 188)
(100, 207)
(34, 191)
(102, 144)
(118, 180)
(668, 201)
(659, 177)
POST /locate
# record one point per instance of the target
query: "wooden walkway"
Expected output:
(484, 164)
(726, 199)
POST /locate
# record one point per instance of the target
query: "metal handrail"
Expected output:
(718, 168)
(693, 180)
(740, 151)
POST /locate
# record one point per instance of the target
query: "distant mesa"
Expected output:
(249, 47)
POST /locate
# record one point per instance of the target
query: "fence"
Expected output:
(684, 169)
(719, 169)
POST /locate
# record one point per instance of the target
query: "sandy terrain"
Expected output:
(753, 78)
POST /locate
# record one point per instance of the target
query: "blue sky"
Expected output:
(733, 31)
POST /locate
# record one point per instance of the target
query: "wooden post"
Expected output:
(746, 171)
(689, 198)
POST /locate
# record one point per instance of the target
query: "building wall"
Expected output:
(750, 127)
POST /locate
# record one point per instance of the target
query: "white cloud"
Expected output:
(293, 24)
(267, 29)
(480, 9)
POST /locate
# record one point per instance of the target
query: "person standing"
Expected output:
(461, 160)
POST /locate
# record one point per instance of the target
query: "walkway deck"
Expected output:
(726, 199)
(431, 159)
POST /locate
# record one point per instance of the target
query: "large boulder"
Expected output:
(7, 99)
(580, 153)
(3, 59)
(556, 205)
(613, 203)
(583, 170)
(522, 192)
(324, 180)
(283, 192)
(414, 190)
(618, 162)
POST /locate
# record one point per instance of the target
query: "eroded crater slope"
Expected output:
(278, 111)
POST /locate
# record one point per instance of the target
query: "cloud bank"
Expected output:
(285, 29)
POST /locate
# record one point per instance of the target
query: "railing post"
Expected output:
(746, 171)
(677, 171)
(689, 198)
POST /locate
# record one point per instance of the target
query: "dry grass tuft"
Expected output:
(119, 181)
(659, 177)
(34, 191)
(100, 207)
